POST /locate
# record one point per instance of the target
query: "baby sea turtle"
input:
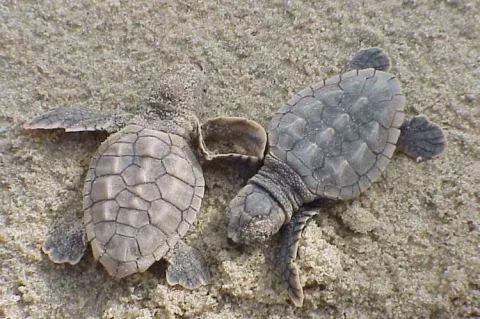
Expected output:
(330, 142)
(144, 185)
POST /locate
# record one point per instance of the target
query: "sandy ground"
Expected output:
(407, 248)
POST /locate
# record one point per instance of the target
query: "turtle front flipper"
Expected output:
(292, 233)
(66, 243)
(79, 119)
(370, 58)
(234, 140)
(187, 267)
(420, 138)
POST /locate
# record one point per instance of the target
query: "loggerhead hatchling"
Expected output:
(330, 142)
(144, 185)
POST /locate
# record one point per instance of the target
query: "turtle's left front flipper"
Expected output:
(291, 235)
(79, 119)
(420, 138)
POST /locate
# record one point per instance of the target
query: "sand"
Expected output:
(409, 247)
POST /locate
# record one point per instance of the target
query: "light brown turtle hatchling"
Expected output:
(144, 185)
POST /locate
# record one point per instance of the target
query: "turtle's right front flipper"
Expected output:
(234, 140)
(288, 253)
(79, 119)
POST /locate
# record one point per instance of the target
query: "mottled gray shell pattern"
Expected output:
(340, 134)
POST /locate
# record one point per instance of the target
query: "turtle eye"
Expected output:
(231, 243)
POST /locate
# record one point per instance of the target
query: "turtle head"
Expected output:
(183, 84)
(178, 95)
(252, 216)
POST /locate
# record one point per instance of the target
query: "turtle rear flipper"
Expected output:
(187, 267)
(66, 243)
(79, 119)
(370, 58)
(288, 253)
(420, 138)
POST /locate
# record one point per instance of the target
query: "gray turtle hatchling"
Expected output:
(330, 142)
(144, 185)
